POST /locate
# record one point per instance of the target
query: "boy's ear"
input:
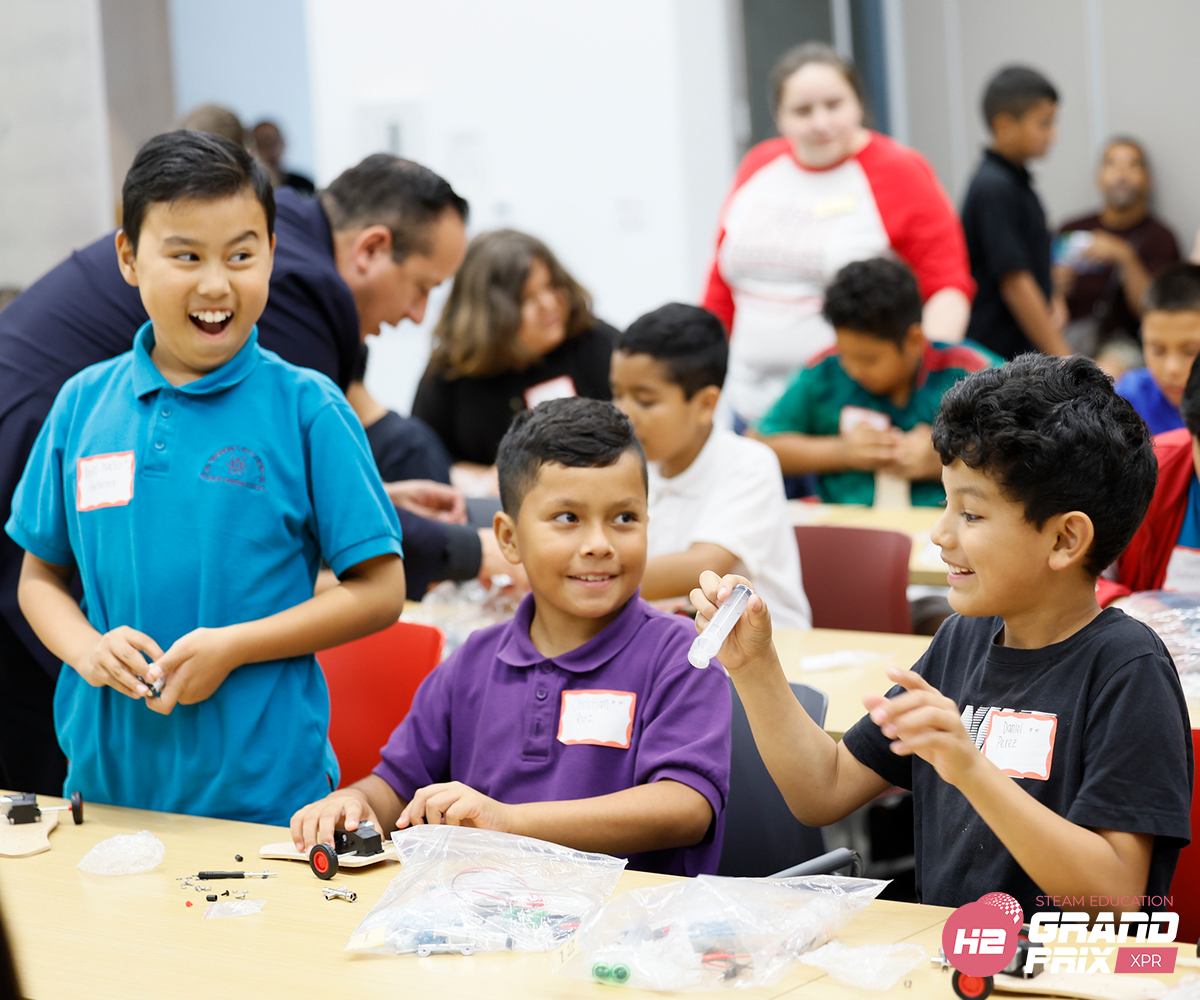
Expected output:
(126, 258)
(914, 338)
(506, 535)
(1074, 534)
(705, 400)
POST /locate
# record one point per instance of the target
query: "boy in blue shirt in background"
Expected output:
(196, 482)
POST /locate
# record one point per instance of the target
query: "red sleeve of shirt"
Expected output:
(718, 297)
(921, 224)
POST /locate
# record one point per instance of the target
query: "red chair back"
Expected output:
(371, 686)
(1185, 886)
(856, 578)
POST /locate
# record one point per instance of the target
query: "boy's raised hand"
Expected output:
(194, 667)
(116, 660)
(868, 449)
(345, 808)
(750, 639)
(454, 804)
(923, 721)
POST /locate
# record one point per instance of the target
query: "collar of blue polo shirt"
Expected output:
(708, 643)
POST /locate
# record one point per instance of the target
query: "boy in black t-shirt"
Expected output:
(1045, 741)
(1005, 224)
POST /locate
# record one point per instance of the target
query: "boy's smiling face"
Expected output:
(998, 561)
(581, 537)
(203, 269)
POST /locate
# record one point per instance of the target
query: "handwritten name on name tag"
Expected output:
(1021, 744)
(104, 481)
(601, 718)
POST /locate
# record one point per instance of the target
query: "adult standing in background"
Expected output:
(269, 146)
(367, 251)
(828, 191)
(1126, 247)
(516, 330)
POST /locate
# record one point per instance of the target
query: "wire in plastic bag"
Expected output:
(462, 890)
(712, 933)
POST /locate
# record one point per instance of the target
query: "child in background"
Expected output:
(1025, 729)
(1005, 223)
(716, 499)
(1170, 342)
(580, 721)
(866, 405)
(196, 482)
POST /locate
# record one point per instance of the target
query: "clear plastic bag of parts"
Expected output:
(712, 933)
(462, 890)
(458, 609)
(1176, 619)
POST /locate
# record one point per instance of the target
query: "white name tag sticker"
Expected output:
(1021, 744)
(104, 481)
(600, 718)
(562, 387)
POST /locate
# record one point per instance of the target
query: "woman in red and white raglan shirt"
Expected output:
(827, 192)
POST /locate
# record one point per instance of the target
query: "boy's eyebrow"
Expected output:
(187, 241)
(970, 491)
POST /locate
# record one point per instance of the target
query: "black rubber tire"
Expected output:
(972, 987)
(322, 859)
(77, 808)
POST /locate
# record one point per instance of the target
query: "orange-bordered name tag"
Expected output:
(601, 718)
(104, 481)
(562, 387)
(1021, 744)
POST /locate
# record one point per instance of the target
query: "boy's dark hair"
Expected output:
(688, 340)
(385, 190)
(180, 165)
(1175, 289)
(1056, 437)
(1189, 406)
(576, 432)
(878, 297)
(359, 372)
(1014, 90)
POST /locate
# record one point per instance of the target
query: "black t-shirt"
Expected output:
(1005, 227)
(470, 415)
(1098, 294)
(1101, 715)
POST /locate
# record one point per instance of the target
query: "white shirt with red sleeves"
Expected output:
(786, 230)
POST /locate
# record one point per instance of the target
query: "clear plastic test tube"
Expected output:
(706, 645)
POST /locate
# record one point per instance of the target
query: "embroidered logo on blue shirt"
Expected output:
(236, 465)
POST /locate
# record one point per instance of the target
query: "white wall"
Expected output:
(604, 128)
(55, 190)
(249, 56)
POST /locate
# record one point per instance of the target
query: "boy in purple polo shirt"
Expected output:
(580, 721)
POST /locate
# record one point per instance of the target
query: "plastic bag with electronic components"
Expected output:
(712, 933)
(1176, 619)
(463, 890)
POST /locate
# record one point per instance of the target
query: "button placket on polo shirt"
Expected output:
(165, 407)
(543, 693)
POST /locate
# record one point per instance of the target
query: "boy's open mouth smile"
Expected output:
(211, 321)
(592, 579)
(959, 571)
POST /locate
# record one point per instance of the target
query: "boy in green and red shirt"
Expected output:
(867, 405)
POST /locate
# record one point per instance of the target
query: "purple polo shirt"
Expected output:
(489, 717)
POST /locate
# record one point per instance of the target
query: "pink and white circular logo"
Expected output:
(980, 938)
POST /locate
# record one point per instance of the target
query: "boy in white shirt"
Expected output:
(716, 499)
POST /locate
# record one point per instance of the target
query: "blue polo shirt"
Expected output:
(1138, 386)
(206, 504)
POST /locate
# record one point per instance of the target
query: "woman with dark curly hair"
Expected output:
(517, 330)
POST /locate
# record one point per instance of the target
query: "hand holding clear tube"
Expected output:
(707, 644)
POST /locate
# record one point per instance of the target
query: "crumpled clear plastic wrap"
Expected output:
(712, 933)
(869, 967)
(233, 908)
(462, 890)
(1176, 619)
(458, 609)
(124, 854)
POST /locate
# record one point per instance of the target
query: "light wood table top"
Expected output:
(81, 935)
(872, 652)
(925, 566)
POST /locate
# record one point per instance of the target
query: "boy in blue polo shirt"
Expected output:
(864, 408)
(195, 483)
